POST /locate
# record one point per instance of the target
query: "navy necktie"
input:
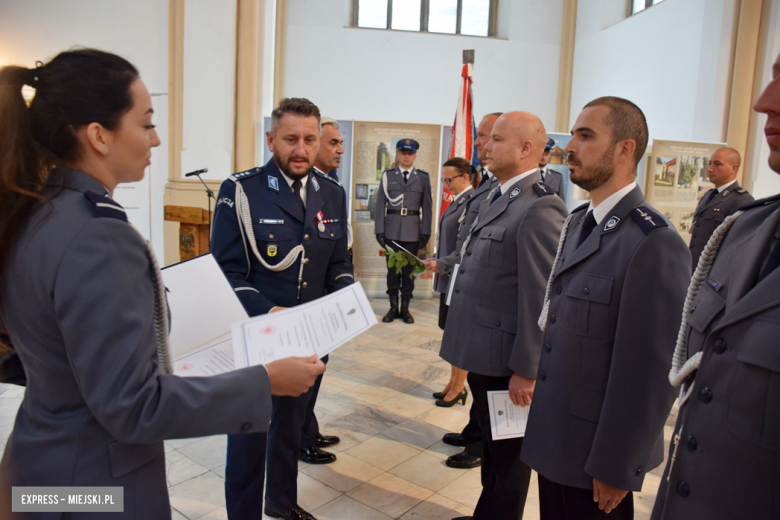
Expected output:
(588, 223)
(406, 177)
(297, 185)
(771, 262)
(484, 175)
(712, 196)
(496, 195)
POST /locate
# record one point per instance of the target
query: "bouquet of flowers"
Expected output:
(400, 259)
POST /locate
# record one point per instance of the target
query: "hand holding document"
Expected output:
(507, 420)
(317, 327)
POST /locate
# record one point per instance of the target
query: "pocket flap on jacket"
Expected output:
(705, 308)
(495, 319)
(273, 233)
(591, 287)
(492, 233)
(129, 457)
(586, 404)
(760, 346)
(333, 231)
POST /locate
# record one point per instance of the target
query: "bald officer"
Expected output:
(719, 202)
(724, 461)
(403, 218)
(551, 178)
(613, 302)
(499, 288)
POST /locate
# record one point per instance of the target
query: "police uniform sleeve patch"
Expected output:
(105, 206)
(542, 189)
(647, 219)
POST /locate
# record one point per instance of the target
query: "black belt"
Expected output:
(403, 212)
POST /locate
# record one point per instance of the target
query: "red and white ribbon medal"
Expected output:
(321, 225)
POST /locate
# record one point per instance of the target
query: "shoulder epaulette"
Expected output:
(553, 171)
(105, 206)
(542, 189)
(741, 190)
(326, 176)
(760, 202)
(580, 208)
(422, 171)
(240, 176)
(648, 219)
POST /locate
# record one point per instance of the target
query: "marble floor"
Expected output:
(376, 396)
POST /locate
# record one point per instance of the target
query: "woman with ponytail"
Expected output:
(81, 297)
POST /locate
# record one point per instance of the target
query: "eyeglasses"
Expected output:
(448, 180)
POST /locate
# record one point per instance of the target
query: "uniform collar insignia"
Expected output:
(515, 193)
(314, 183)
(461, 201)
(725, 192)
(612, 223)
(273, 183)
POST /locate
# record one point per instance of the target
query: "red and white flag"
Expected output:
(464, 132)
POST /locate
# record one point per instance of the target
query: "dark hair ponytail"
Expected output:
(75, 88)
(465, 168)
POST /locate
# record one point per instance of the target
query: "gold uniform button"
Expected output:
(305, 261)
(305, 285)
(271, 236)
(306, 237)
(331, 234)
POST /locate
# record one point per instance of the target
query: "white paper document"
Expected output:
(507, 420)
(317, 327)
(451, 287)
(203, 307)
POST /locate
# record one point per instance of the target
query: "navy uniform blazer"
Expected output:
(602, 395)
(78, 302)
(449, 224)
(710, 215)
(279, 225)
(555, 181)
(417, 197)
(491, 323)
(728, 462)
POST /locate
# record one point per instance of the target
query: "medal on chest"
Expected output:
(321, 222)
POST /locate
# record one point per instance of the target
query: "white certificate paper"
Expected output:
(317, 327)
(507, 420)
(451, 287)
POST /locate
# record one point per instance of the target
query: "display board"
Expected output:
(374, 151)
(678, 178)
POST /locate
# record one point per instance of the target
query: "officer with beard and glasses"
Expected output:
(610, 318)
(280, 236)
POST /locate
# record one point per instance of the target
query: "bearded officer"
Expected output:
(718, 203)
(551, 178)
(724, 461)
(280, 237)
(611, 310)
(403, 218)
(499, 288)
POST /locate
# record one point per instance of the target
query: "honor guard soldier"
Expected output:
(724, 459)
(718, 203)
(612, 305)
(403, 220)
(499, 288)
(550, 177)
(280, 237)
(470, 438)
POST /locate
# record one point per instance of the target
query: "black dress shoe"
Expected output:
(454, 439)
(460, 397)
(439, 395)
(314, 455)
(463, 460)
(325, 441)
(296, 513)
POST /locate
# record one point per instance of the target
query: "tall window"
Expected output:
(467, 17)
(641, 5)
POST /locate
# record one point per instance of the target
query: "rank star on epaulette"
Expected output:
(515, 193)
(273, 183)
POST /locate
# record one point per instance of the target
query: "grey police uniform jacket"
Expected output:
(417, 197)
(602, 395)
(710, 215)
(449, 225)
(447, 263)
(555, 181)
(78, 302)
(499, 289)
(727, 465)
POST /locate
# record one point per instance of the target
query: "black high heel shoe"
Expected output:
(439, 395)
(460, 397)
